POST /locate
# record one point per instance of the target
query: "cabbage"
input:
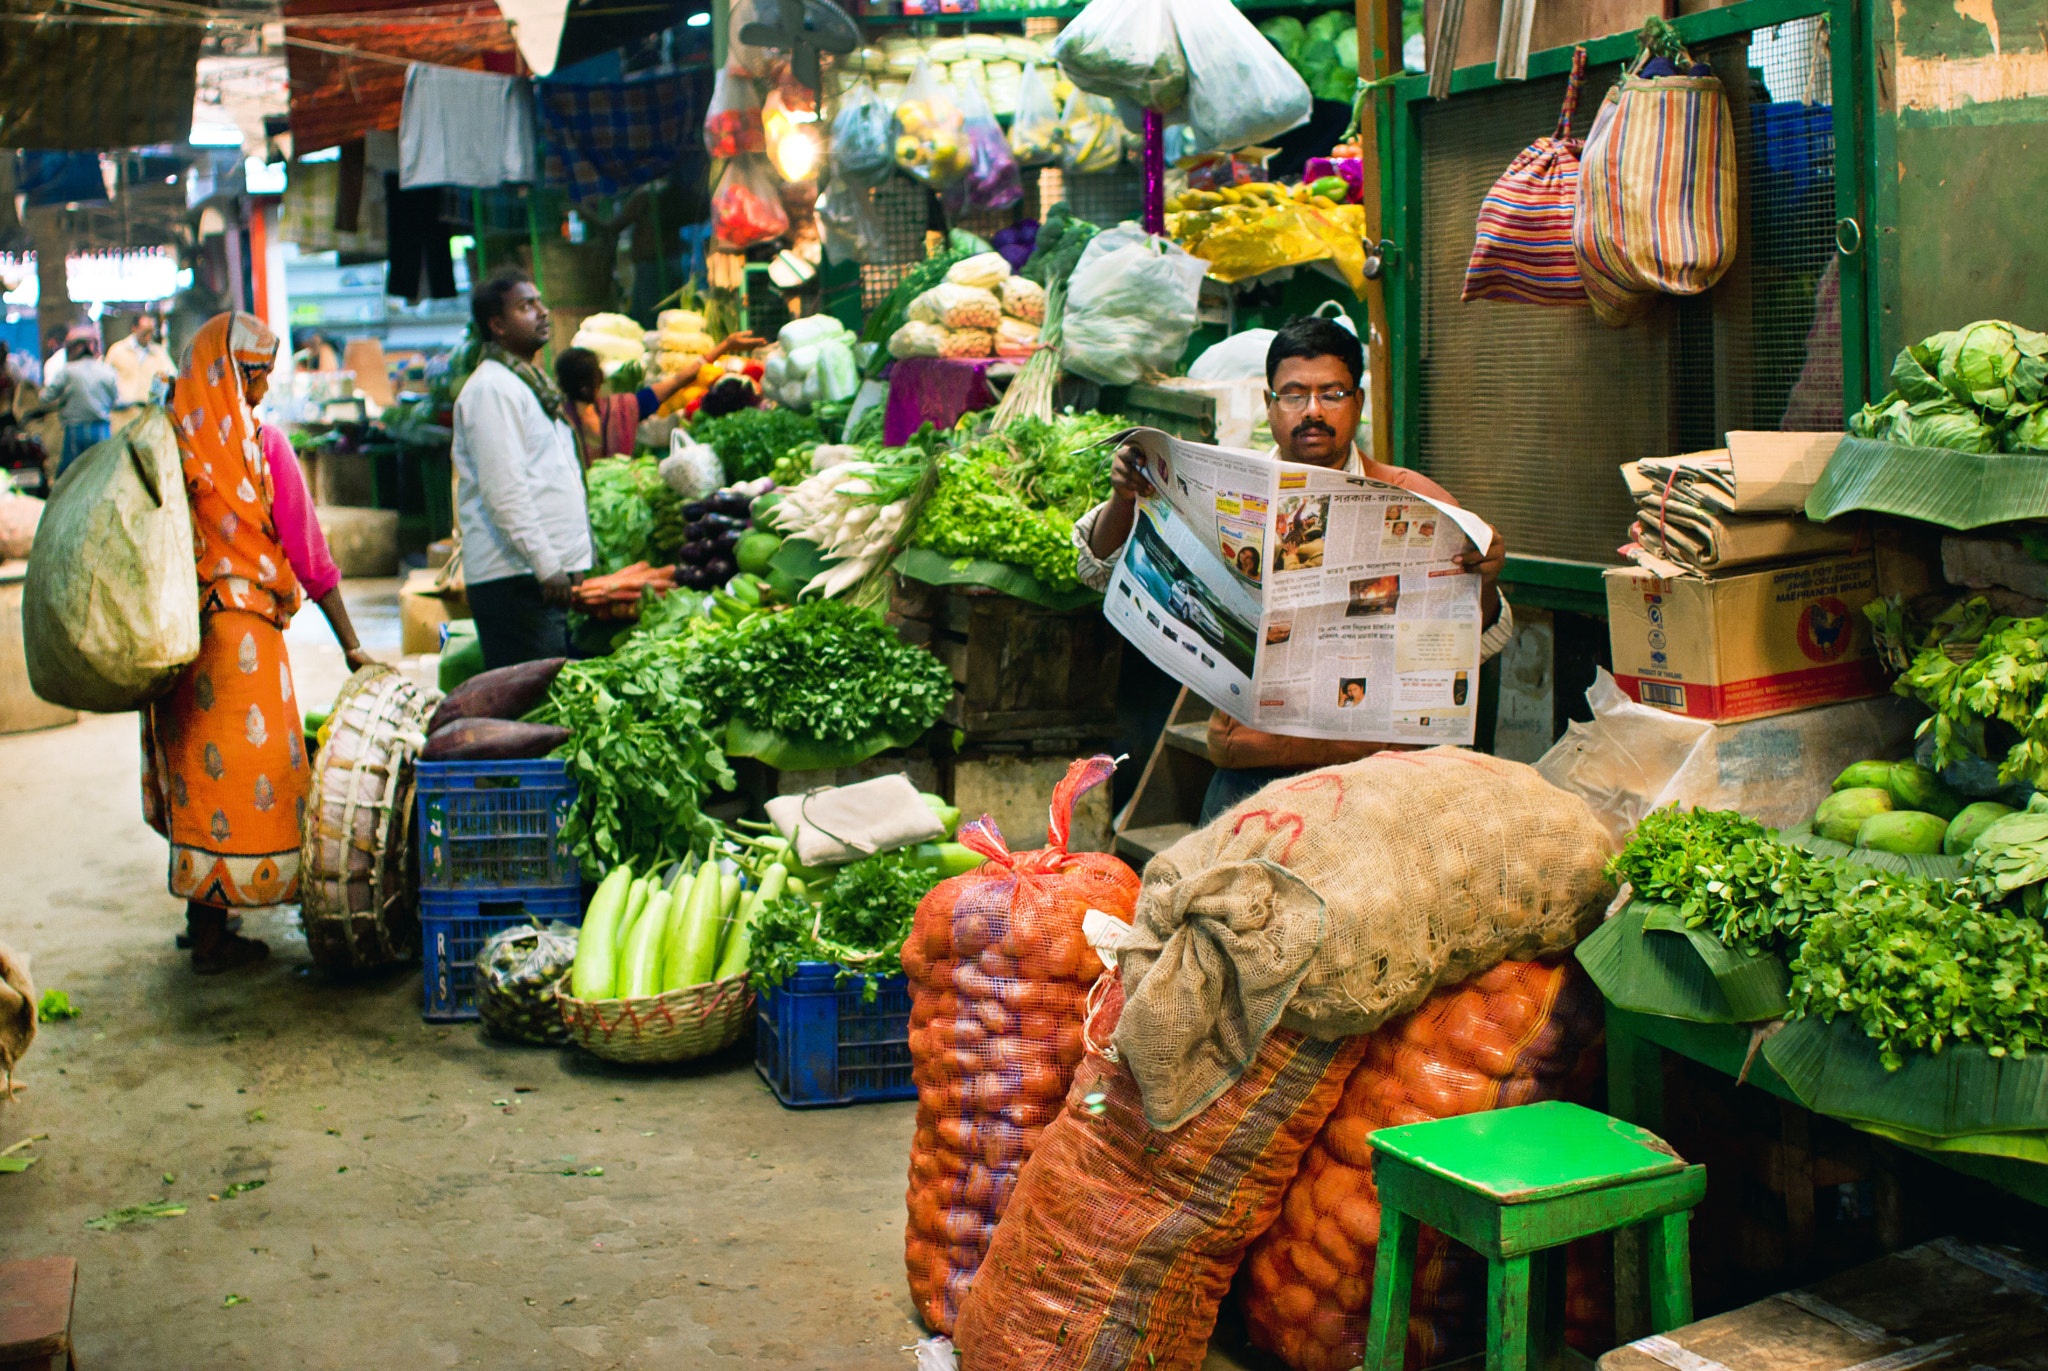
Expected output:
(2031, 433)
(1988, 365)
(1284, 33)
(1875, 421)
(1913, 372)
(1944, 423)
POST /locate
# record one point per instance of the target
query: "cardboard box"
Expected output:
(421, 612)
(1749, 645)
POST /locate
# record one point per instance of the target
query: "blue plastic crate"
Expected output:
(820, 1042)
(455, 925)
(493, 825)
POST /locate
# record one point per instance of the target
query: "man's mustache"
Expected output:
(1313, 426)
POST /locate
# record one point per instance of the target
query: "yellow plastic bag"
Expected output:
(110, 611)
(1243, 240)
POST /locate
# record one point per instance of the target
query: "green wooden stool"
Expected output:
(1515, 1185)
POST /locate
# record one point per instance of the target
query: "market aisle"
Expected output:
(414, 1207)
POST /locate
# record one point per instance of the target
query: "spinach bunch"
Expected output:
(825, 670)
(749, 442)
(638, 753)
(1728, 875)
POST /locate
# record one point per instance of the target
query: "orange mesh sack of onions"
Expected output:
(1000, 970)
(1522, 1032)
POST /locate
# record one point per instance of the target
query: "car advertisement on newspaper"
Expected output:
(1301, 600)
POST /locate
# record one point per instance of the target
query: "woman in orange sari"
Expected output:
(223, 759)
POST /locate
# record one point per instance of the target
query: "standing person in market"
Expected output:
(605, 425)
(84, 396)
(140, 361)
(224, 771)
(518, 487)
(1315, 371)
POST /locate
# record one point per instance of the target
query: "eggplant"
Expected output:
(720, 570)
(695, 509)
(724, 543)
(696, 577)
(696, 552)
(732, 506)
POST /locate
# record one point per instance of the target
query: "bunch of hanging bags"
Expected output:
(1648, 199)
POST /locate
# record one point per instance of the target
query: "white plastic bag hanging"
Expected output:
(747, 208)
(732, 122)
(992, 181)
(929, 144)
(1130, 306)
(862, 152)
(849, 226)
(1240, 89)
(1126, 49)
(1035, 131)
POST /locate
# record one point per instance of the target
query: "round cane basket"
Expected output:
(359, 883)
(671, 1027)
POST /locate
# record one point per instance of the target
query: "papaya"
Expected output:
(1903, 831)
(1913, 786)
(1861, 775)
(1845, 811)
(1968, 825)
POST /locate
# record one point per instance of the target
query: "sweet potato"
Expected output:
(507, 693)
(492, 740)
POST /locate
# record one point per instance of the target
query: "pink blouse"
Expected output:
(291, 507)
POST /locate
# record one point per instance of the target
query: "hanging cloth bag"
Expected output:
(1656, 210)
(1523, 251)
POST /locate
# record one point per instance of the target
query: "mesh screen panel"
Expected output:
(1526, 412)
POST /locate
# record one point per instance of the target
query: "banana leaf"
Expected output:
(1932, 865)
(937, 569)
(787, 753)
(800, 559)
(2019, 1147)
(1667, 974)
(1754, 984)
(1959, 490)
(1960, 1091)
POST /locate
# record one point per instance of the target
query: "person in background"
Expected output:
(53, 358)
(605, 424)
(12, 373)
(729, 396)
(143, 364)
(1314, 401)
(224, 768)
(84, 396)
(519, 496)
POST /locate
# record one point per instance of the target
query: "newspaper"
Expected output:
(1301, 600)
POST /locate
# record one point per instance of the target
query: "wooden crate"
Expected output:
(1024, 674)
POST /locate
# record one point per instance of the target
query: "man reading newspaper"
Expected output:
(1314, 370)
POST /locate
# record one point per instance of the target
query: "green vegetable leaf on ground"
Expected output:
(135, 1213)
(55, 1004)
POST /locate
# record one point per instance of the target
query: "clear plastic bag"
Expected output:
(917, 339)
(1130, 306)
(957, 306)
(1240, 89)
(929, 143)
(992, 181)
(1126, 49)
(849, 226)
(747, 208)
(732, 123)
(986, 270)
(1092, 136)
(1035, 133)
(863, 154)
(517, 971)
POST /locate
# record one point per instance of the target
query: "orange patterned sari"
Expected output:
(224, 771)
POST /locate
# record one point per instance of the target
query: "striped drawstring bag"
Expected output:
(1656, 211)
(1524, 249)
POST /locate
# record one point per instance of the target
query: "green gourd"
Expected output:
(595, 969)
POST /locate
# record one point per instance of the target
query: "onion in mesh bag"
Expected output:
(517, 972)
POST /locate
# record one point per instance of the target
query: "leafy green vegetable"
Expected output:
(1979, 388)
(638, 753)
(1994, 365)
(1727, 874)
(824, 670)
(749, 442)
(2011, 856)
(861, 921)
(1972, 670)
(135, 1213)
(56, 1005)
(1013, 496)
(1061, 238)
(627, 497)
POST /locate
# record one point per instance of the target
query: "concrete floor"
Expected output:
(413, 1208)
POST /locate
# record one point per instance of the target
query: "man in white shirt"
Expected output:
(518, 486)
(139, 362)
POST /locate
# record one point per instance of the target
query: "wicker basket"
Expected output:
(671, 1027)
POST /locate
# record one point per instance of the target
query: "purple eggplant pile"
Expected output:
(707, 532)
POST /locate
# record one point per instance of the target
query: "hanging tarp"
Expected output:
(82, 86)
(603, 138)
(350, 83)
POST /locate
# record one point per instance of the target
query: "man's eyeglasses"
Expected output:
(1294, 401)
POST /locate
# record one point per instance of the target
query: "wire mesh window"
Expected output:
(1526, 412)
(908, 212)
